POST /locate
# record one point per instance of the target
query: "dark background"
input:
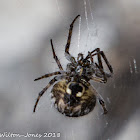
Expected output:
(25, 54)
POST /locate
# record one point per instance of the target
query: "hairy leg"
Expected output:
(67, 54)
(55, 57)
(97, 79)
(99, 54)
(56, 78)
(43, 91)
(103, 73)
(49, 74)
(101, 101)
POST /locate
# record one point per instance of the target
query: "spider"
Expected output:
(73, 94)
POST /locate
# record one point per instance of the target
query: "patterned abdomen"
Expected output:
(66, 106)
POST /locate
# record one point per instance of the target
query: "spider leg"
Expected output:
(99, 54)
(103, 73)
(56, 78)
(101, 101)
(55, 57)
(91, 57)
(67, 54)
(97, 79)
(99, 57)
(43, 91)
(100, 67)
(49, 74)
(108, 64)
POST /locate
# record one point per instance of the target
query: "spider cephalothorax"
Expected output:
(73, 94)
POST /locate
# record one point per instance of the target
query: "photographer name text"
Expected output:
(28, 135)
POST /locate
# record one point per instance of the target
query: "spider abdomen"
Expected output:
(73, 108)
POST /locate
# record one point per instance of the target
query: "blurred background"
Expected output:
(26, 27)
